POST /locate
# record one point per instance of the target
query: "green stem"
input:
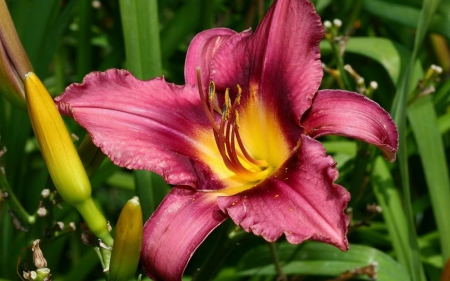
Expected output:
(95, 220)
(84, 50)
(276, 261)
(22, 215)
(345, 82)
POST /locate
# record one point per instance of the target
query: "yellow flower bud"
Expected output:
(61, 157)
(127, 242)
(59, 153)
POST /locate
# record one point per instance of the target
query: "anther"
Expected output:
(238, 98)
(212, 91)
(236, 119)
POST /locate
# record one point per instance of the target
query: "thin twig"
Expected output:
(276, 261)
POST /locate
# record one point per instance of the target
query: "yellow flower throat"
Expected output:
(228, 139)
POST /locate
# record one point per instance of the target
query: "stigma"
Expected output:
(226, 134)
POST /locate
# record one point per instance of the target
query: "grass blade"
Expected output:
(390, 201)
(143, 54)
(423, 121)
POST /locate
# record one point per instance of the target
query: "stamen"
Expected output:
(211, 95)
(227, 132)
(238, 98)
(212, 91)
(203, 100)
(227, 103)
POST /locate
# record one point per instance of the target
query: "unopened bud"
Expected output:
(30, 275)
(327, 24)
(360, 81)
(14, 62)
(127, 242)
(59, 225)
(436, 68)
(43, 274)
(45, 193)
(337, 23)
(41, 212)
(96, 4)
(72, 226)
(60, 155)
(431, 76)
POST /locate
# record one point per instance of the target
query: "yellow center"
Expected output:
(250, 155)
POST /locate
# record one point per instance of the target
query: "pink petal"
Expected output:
(280, 61)
(336, 112)
(151, 125)
(200, 52)
(299, 199)
(172, 234)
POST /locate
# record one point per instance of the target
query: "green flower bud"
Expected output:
(61, 157)
(127, 242)
(14, 62)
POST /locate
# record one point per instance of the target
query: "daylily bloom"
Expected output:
(238, 140)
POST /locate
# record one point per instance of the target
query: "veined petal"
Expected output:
(200, 52)
(172, 234)
(151, 125)
(336, 112)
(280, 61)
(300, 200)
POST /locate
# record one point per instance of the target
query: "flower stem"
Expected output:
(17, 209)
(276, 261)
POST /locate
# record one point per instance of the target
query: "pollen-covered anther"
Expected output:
(229, 143)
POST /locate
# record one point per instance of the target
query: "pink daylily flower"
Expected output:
(238, 140)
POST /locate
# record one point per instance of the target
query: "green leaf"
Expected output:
(423, 120)
(152, 188)
(141, 34)
(410, 15)
(321, 4)
(399, 115)
(320, 259)
(389, 198)
(142, 45)
(182, 24)
(444, 123)
(392, 56)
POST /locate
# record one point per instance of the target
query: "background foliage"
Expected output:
(393, 42)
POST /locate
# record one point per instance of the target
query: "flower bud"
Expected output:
(14, 62)
(61, 157)
(127, 242)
